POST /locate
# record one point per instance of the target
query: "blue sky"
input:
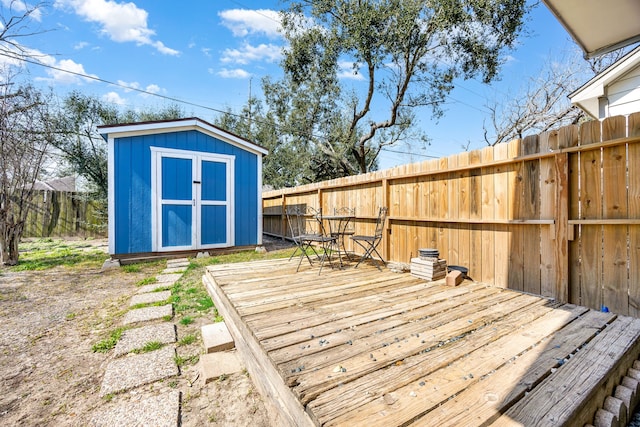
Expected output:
(207, 52)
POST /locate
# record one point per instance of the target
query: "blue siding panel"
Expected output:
(133, 204)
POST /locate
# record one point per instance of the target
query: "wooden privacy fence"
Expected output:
(59, 213)
(555, 214)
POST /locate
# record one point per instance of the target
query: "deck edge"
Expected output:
(283, 407)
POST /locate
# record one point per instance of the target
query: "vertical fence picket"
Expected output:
(633, 125)
(590, 208)
(614, 168)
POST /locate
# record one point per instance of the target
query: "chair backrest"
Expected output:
(293, 220)
(302, 220)
(350, 225)
(382, 216)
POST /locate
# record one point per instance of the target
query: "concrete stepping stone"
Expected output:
(150, 298)
(139, 369)
(163, 278)
(147, 313)
(174, 270)
(178, 262)
(154, 287)
(132, 339)
(214, 365)
(216, 337)
(162, 410)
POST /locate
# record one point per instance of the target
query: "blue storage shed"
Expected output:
(182, 185)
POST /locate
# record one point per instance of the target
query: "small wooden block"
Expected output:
(454, 278)
(216, 337)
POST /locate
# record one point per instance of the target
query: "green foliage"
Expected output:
(82, 147)
(186, 320)
(108, 343)
(146, 281)
(186, 360)
(187, 339)
(149, 346)
(408, 54)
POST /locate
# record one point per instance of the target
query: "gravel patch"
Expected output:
(140, 369)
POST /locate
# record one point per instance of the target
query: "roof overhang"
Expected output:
(599, 26)
(177, 125)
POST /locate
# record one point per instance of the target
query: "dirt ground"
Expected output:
(49, 375)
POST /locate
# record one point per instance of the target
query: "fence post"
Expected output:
(561, 243)
(387, 226)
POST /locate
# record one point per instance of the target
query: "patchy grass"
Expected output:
(110, 342)
(190, 298)
(186, 320)
(149, 346)
(43, 254)
(187, 339)
(146, 280)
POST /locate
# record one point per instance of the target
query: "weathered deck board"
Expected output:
(361, 347)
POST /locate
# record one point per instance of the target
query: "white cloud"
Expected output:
(121, 22)
(153, 89)
(68, 72)
(114, 98)
(128, 86)
(236, 73)
(243, 22)
(346, 71)
(135, 86)
(206, 51)
(61, 71)
(80, 45)
(22, 7)
(249, 53)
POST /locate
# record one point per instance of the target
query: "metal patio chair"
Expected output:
(370, 243)
(307, 232)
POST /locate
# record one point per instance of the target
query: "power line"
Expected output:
(90, 77)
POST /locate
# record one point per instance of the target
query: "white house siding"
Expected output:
(623, 96)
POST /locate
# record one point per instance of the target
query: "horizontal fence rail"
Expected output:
(555, 214)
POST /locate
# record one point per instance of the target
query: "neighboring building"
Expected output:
(613, 92)
(182, 185)
(66, 184)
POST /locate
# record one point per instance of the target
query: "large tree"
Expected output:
(83, 148)
(284, 166)
(25, 135)
(542, 103)
(408, 54)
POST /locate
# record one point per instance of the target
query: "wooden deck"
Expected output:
(360, 347)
